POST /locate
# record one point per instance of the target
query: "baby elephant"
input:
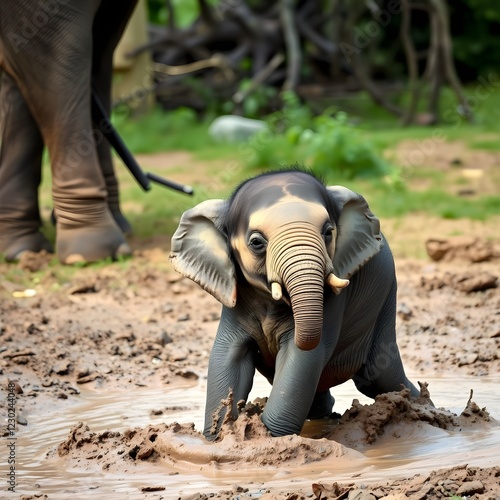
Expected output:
(308, 288)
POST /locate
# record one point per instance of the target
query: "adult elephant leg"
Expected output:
(21, 148)
(53, 69)
(294, 387)
(108, 27)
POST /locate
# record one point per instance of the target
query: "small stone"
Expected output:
(404, 311)
(82, 288)
(163, 338)
(212, 316)
(167, 308)
(145, 452)
(82, 371)
(21, 420)
(145, 489)
(468, 359)
(496, 332)
(475, 283)
(61, 368)
(33, 329)
(187, 374)
(87, 379)
(361, 495)
(174, 277)
(17, 388)
(176, 354)
(470, 488)
(422, 493)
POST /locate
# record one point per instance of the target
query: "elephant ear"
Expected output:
(200, 250)
(359, 237)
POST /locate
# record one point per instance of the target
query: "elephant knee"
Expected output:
(281, 426)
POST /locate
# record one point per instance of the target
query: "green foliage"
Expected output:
(329, 144)
(186, 12)
(334, 146)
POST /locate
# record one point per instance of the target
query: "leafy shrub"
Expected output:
(328, 144)
(335, 146)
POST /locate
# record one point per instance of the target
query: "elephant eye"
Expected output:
(328, 233)
(257, 243)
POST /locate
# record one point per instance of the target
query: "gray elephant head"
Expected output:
(288, 235)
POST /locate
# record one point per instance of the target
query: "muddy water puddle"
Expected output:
(392, 456)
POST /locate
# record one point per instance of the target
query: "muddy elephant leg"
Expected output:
(108, 28)
(55, 83)
(383, 371)
(231, 367)
(294, 386)
(321, 406)
(21, 147)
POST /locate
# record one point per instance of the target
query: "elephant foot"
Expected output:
(321, 406)
(91, 243)
(13, 247)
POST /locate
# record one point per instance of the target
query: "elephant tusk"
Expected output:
(336, 283)
(276, 290)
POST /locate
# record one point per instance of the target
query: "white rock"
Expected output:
(233, 128)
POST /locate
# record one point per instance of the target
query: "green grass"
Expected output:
(486, 145)
(161, 131)
(423, 189)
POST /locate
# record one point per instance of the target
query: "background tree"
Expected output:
(215, 55)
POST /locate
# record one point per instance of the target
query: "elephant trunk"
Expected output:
(300, 266)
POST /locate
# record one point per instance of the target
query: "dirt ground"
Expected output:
(139, 324)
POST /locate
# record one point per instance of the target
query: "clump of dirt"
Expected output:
(362, 425)
(34, 261)
(464, 282)
(461, 481)
(248, 424)
(462, 248)
(241, 441)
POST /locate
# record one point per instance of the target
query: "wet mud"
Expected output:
(245, 442)
(138, 335)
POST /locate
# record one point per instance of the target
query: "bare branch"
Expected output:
(411, 59)
(294, 53)
(260, 78)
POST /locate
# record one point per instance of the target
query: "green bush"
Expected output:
(329, 144)
(336, 146)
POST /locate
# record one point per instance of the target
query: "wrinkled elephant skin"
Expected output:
(51, 53)
(308, 288)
